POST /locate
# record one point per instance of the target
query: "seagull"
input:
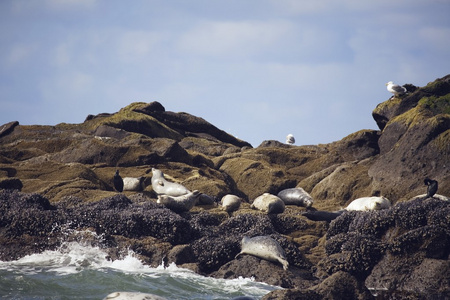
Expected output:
(290, 139)
(395, 88)
(432, 187)
(118, 182)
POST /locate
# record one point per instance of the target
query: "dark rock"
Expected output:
(213, 252)
(108, 131)
(342, 285)
(434, 241)
(189, 125)
(11, 184)
(248, 266)
(296, 294)
(101, 115)
(251, 225)
(374, 223)
(71, 166)
(415, 140)
(273, 143)
(7, 128)
(402, 277)
(416, 213)
(353, 253)
(151, 107)
(360, 145)
(181, 254)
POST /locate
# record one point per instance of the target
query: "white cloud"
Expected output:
(306, 7)
(71, 86)
(19, 53)
(22, 6)
(436, 38)
(137, 45)
(70, 4)
(233, 39)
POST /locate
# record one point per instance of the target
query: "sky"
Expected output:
(258, 69)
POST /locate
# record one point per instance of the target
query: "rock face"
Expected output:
(57, 181)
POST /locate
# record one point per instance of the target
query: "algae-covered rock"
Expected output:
(415, 141)
(65, 173)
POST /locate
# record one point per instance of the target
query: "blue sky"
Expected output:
(258, 69)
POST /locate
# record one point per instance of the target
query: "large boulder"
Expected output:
(414, 142)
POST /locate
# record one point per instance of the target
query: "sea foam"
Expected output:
(72, 258)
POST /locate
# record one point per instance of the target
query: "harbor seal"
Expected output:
(118, 182)
(230, 203)
(268, 203)
(163, 187)
(264, 247)
(296, 196)
(133, 184)
(322, 215)
(205, 199)
(179, 203)
(432, 187)
(435, 196)
(369, 203)
(132, 296)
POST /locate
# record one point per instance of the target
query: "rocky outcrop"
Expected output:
(414, 142)
(56, 182)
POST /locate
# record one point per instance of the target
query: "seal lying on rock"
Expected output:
(163, 187)
(132, 296)
(268, 203)
(369, 203)
(179, 203)
(264, 247)
(296, 196)
(322, 215)
(435, 196)
(133, 184)
(230, 203)
(205, 199)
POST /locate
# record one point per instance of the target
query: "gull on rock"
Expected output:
(290, 140)
(395, 88)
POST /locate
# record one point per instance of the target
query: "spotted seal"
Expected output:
(268, 203)
(133, 184)
(179, 203)
(296, 196)
(163, 187)
(264, 247)
(322, 215)
(369, 203)
(230, 203)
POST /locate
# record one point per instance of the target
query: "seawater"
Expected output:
(77, 271)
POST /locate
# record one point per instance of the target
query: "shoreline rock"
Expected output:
(58, 179)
